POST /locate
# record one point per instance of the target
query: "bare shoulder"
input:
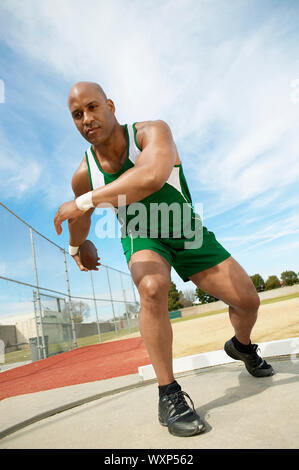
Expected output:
(80, 180)
(147, 129)
(155, 131)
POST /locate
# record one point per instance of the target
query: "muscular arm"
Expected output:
(150, 173)
(151, 170)
(79, 228)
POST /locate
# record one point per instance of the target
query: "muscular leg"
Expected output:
(229, 282)
(151, 275)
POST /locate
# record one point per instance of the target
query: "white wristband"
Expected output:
(73, 250)
(84, 202)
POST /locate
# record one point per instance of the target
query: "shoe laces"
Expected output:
(179, 403)
(257, 361)
(255, 348)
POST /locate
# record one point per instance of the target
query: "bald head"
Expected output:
(85, 88)
(92, 112)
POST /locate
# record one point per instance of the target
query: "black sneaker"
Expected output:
(175, 413)
(255, 365)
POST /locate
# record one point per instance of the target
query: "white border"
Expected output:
(183, 364)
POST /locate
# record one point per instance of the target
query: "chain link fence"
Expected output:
(47, 305)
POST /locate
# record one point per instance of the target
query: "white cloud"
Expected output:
(219, 76)
(278, 229)
(22, 171)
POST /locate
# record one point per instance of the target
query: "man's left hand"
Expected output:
(67, 211)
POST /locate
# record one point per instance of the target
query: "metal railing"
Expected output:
(45, 299)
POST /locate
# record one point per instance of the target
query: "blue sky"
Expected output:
(223, 74)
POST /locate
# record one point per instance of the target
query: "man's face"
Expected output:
(92, 113)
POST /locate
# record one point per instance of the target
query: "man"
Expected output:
(140, 162)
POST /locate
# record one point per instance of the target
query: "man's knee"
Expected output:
(249, 303)
(153, 288)
(253, 302)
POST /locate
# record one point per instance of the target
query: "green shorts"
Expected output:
(186, 262)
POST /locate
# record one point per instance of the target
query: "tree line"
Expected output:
(187, 298)
(178, 299)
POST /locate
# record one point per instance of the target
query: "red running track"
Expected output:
(86, 364)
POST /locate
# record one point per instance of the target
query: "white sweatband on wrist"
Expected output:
(84, 202)
(73, 250)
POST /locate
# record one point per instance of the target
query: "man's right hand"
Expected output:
(83, 268)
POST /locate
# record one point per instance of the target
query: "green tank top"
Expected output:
(167, 213)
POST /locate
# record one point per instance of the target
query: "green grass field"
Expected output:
(279, 299)
(25, 354)
(223, 310)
